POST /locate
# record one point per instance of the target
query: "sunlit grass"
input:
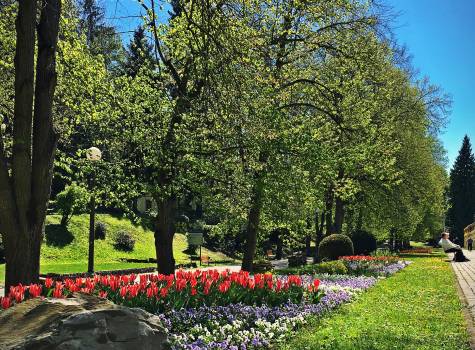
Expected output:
(66, 251)
(418, 308)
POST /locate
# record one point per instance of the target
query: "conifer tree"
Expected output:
(462, 191)
(139, 53)
(102, 39)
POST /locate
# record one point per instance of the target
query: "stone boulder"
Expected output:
(81, 322)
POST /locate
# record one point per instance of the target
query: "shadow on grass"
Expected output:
(57, 235)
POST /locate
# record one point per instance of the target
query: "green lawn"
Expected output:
(418, 308)
(65, 251)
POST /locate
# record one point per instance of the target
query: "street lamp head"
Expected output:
(93, 154)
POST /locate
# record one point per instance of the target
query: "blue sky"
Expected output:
(439, 34)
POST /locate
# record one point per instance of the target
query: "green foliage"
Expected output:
(123, 241)
(331, 267)
(139, 54)
(102, 39)
(363, 242)
(285, 108)
(462, 191)
(73, 200)
(336, 267)
(100, 230)
(334, 246)
(398, 313)
(262, 266)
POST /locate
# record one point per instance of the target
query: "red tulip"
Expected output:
(5, 302)
(48, 282)
(35, 290)
(316, 284)
(58, 292)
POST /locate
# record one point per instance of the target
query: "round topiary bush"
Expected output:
(100, 230)
(334, 246)
(363, 242)
(124, 241)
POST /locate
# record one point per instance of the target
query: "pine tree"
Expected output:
(462, 191)
(102, 39)
(139, 53)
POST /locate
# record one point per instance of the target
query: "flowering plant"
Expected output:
(373, 265)
(185, 289)
(369, 258)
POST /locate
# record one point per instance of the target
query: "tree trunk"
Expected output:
(339, 214)
(318, 234)
(349, 218)
(329, 210)
(64, 221)
(92, 227)
(253, 221)
(359, 223)
(279, 248)
(308, 241)
(339, 207)
(164, 233)
(23, 262)
(25, 190)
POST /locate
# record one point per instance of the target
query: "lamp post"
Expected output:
(93, 154)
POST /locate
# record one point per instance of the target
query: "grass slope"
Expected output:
(65, 251)
(418, 308)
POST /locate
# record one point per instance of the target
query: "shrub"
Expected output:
(72, 200)
(297, 260)
(191, 249)
(124, 241)
(337, 267)
(100, 230)
(262, 266)
(363, 242)
(334, 246)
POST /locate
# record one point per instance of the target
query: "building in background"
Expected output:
(468, 232)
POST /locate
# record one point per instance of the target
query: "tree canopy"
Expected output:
(251, 117)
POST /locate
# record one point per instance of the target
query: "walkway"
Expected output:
(465, 273)
(284, 263)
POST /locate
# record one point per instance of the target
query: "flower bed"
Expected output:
(417, 250)
(220, 310)
(376, 266)
(239, 326)
(373, 265)
(183, 290)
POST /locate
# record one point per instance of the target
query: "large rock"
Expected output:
(82, 322)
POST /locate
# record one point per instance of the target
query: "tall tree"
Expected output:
(26, 166)
(101, 38)
(462, 191)
(167, 109)
(139, 53)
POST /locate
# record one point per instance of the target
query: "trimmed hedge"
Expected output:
(363, 242)
(334, 246)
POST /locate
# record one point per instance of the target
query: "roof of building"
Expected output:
(469, 228)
